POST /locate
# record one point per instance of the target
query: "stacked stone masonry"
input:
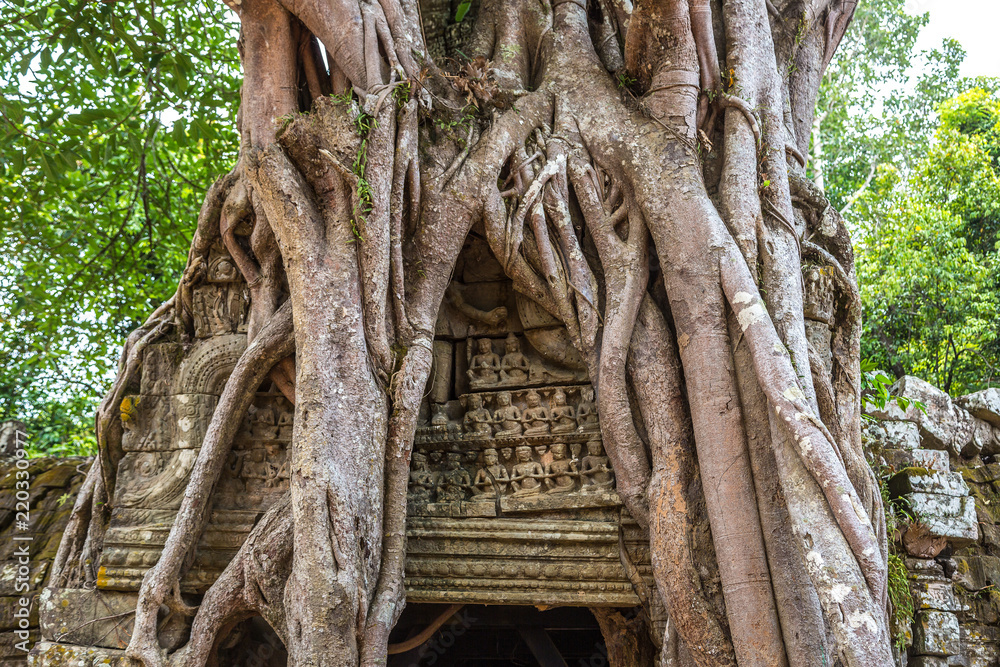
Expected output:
(51, 492)
(940, 458)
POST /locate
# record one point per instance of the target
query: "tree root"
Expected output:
(274, 343)
(251, 584)
(365, 290)
(627, 640)
(654, 370)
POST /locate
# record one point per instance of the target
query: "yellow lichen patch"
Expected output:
(128, 407)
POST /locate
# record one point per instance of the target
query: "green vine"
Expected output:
(901, 601)
(363, 123)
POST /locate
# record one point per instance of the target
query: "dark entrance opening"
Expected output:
(498, 636)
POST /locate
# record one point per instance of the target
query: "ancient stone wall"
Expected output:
(941, 461)
(27, 548)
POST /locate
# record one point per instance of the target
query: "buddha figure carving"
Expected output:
(277, 465)
(536, 416)
(264, 427)
(527, 475)
(484, 366)
(285, 424)
(514, 366)
(563, 415)
(595, 469)
(477, 419)
(421, 479)
(454, 481)
(470, 461)
(492, 479)
(439, 419)
(507, 417)
(255, 466)
(561, 472)
(586, 412)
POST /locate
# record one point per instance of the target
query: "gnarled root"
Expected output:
(627, 640)
(252, 583)
(275, 342)
(654, 371)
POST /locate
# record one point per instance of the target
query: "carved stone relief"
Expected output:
(511, 494)
(518, 444)
(219, 306)
(818, 306)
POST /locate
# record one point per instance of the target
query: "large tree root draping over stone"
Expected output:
(652, 205)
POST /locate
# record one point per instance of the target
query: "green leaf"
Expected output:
(90, 116)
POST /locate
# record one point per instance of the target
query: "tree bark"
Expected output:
(636, 173)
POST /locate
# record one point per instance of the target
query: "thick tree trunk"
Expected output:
(659, 231)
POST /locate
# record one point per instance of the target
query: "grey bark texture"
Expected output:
(634, 170)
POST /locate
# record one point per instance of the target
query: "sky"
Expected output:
(974, 23)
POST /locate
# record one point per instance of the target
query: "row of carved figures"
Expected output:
(508, 420)
(531, 472)
(488, 369)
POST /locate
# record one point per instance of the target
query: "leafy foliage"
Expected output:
(873, 108)
(911, 160)
(927, 252)
(875, 391)
(114, 120)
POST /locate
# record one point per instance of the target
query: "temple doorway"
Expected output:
(496, 636)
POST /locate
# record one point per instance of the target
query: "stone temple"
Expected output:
(517, 538)
(511, 496)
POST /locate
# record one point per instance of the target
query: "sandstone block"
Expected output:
(947, 516)
(984, 404)
(928, 459)
(942, 425)
(937, 634)
(919, 480)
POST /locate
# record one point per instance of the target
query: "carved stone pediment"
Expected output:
(511, 495)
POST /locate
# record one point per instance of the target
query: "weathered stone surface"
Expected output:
(936, 633)
(87, 617)
(942, 424)
(947, 516)
(935, 595)
(926, 459)
(976, 572)
(818, 334)
(901, 435)
(893, 434)
(919, 480)
(980, 645)
(51, 654)
(984, 404)
(985, 439)
(53, 485)
(928, 661)
(165, 423)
